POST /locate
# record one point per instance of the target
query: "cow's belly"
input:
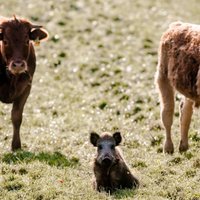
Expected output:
(182, 73)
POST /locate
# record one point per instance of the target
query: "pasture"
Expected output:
(96, 73)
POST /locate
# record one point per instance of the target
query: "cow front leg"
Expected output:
(16, 117)
(167, 108)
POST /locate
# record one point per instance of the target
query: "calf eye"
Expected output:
(5, 42)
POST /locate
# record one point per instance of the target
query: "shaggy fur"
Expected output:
(178, 69)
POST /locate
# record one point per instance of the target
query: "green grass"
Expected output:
(96, 72)
(55, 159)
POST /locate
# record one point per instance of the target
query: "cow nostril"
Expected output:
(18, 64)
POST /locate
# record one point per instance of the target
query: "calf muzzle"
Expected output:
(18, 66)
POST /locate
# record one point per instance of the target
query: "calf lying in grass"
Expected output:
(110, 169)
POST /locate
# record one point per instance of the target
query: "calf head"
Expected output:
(16, 36)
(106, 152)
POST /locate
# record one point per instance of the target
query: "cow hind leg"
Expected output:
(186, 110)
(167, 108)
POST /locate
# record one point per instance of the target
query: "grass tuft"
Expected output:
(13, 186)
(121, 194)
(53, 159)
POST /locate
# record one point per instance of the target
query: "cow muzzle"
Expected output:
(17, 67)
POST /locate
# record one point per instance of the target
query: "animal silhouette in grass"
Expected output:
(110, 169)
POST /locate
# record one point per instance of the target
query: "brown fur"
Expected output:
(17, 66)
(179, 69)
(117, 175)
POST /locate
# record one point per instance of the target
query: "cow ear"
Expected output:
(38, 34)
(93, 138)
(118, 138)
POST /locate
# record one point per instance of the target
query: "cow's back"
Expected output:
(181, 43)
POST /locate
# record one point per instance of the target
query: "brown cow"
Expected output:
(111, 171)
(179, 69)
(17, 66)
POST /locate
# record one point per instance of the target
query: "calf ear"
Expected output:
(38, 34)
(93, 138)
(118, 138)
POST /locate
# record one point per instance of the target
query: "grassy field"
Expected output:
(96, 72)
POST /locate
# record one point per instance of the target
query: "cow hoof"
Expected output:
(169, 147)
(183, 147)
(16, 147)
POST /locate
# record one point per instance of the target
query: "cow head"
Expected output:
(16, 36)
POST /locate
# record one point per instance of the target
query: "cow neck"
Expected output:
(13, 84)
(15, 81)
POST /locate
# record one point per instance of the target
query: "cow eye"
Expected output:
(112, 146)
(5, 42)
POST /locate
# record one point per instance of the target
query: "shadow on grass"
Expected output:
(53, 159)
(125, 193)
